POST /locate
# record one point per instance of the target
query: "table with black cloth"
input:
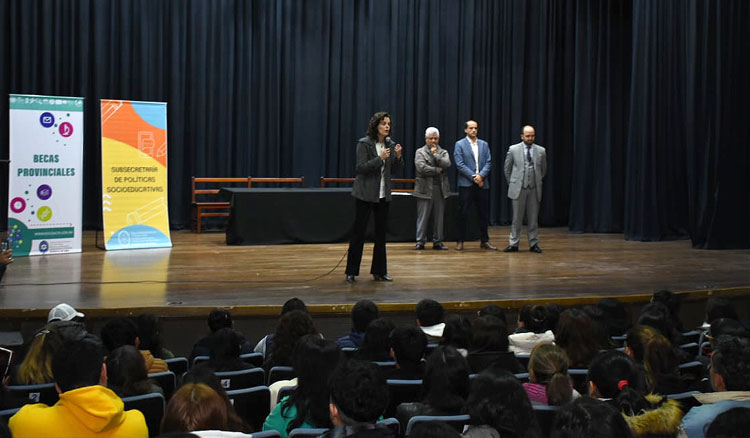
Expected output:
(320, 215)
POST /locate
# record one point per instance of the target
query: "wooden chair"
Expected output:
(324, 181)
(205, 202)
(408, 181)
(263, 180)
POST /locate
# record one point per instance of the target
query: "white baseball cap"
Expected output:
(63, 312)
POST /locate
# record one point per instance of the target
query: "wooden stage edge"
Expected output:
(201, 272)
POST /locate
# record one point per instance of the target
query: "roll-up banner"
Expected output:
(45, 176)
(134, 174)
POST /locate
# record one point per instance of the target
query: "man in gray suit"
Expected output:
(431, 188)
(525, 166)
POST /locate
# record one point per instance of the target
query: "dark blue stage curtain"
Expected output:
(643, 105)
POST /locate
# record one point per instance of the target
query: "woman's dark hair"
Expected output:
(313, 359)
(649, 347)
(549, 365)
(727, 327)
(589, 418)
(149, 333)
(719, 307)
(733, 423)
(672, 302)
(434, 429)
(497, 399)
(553, 315)
(575, 334)
(601, 328)
(226, 345)
(488, 333)
(617, 376)
(457, 331)
(657, 316)
(616, 316)
(291, 327)
(126, 372)
(494, 310)
(533, 317)
(376, 345)
(372, 127)
(446, 379)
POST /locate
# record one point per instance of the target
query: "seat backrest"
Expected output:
(325, 181)
(545, 416)
(200, 359)
(392, 424)
(251, 404)
(579, 377)
(178, 365)
(522, 377)
(349, 352)
(254, 359)
(166, 380)
(6, 414)
(207, 188)
(307, 433)
(402, 391)
(280, 373)
(523, 358)
(457, 421)
(265, 434)
(241, 379)
(152, 408)
(691, 348)
(253, 181)
(19, 395)
(284, 391)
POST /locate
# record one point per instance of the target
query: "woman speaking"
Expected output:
(377, 154)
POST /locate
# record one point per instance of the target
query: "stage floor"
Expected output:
(202, 272)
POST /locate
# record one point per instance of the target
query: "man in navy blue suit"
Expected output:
(473, 161)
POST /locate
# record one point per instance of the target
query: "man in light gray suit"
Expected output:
(525, 167)
(431, 188)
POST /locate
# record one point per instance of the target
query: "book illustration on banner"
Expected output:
(134, 175)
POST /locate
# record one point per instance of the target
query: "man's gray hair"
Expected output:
(431, 130)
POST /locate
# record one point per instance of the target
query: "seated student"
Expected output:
(586, 417)
(734, 423)
(291, 328)
(532, 329)
(64, 312)
(408, 345)
(376, 345)
(314, 359)
(206, 376)
(655, 353)
(226, 345)
(217, 319)
(264, 345)
(195, 407)
(434, 429)
(363, 313)
(430, 319)
(498, 406)
(657, 315)
(126, 373)
(616, 378)
(86, 407)
(149, 332)
(730, 378)
(493, 310)
(36, 367)
(123, 331)
(575, 335)
(673, 302)
(457, 333)
(617, 318)
(445, 386)
(489, 345)
(718, 307)
(352, 414)
(549, 382)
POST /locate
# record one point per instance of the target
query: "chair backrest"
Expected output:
(325, 181)
(6, 414)
(280, 373)
(402, 391)
(265, 434)
(19, 395)
(307, 433)
(579, 377)
(386, 366)
(523, 359)
(523, 377)
(392, 424)
(691, 348)
(199, 359)
(545, 416)
(284, 391)
(407, 182)
(178, 365)
(241, 379)
(430, 348)
(251, 404)
(457, 421)
(199, 190)
(276, 181)
(152, 408)
(254, 359)
(692, 336)
(166, 380)
(349, 352)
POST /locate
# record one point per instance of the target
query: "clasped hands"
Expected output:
(387, 152)
(478, 180)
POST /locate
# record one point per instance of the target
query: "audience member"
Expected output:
(445, 386)
(36, 367)
(363, 313)
(225, 351)
(730, 378)
(498, 406)
(494, 310)
(149, 332)
(532, 329)
(195, 407)
(726, 327)
(264, 345)
(217, 319)
(431, 319)
(63, 312)
(734, 423)
(575, 335)
(206, 376)
(314, 359)
(586, 417)
(408, 345)
(673, 302)
(616, 316)
(359, 396)
(615, 377)
(291, 327)
(601, 327)
(549, 382)
(86, 407)
(457, 333)
(123, 331)
(719, 307)
(376, 344)
(126, 373)
(553, 315)
(434, 429)
(489, 345)
(657, 315)
(648, 347)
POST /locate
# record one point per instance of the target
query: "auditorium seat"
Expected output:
(152, 408)
(19, 395)
(166, 380)
(402, 391)
(251, 404)
(231, 380)
(545, 416)
(456, 421)
(177, 365)
(280, 373)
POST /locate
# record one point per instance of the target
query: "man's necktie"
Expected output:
(528, 155)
